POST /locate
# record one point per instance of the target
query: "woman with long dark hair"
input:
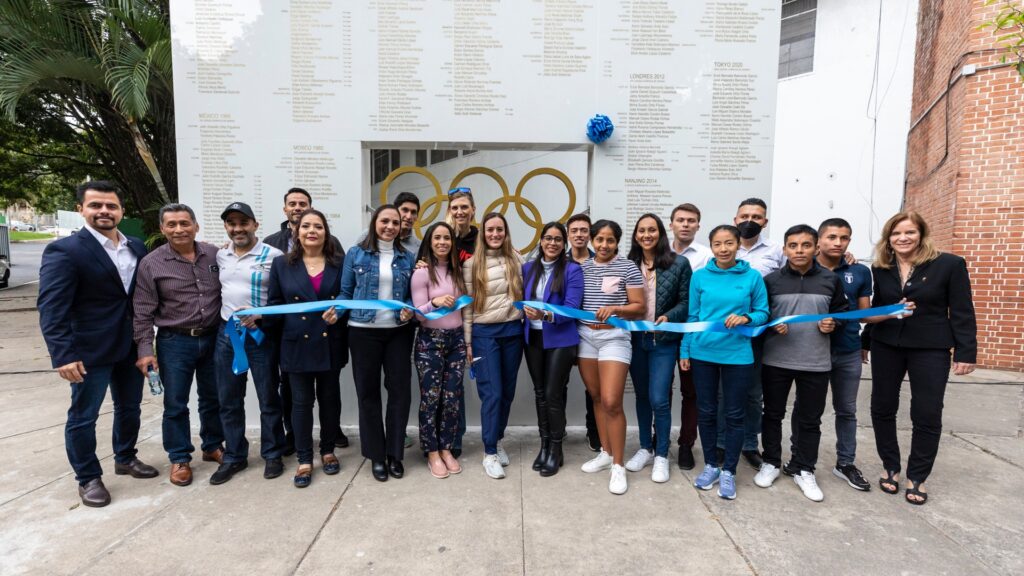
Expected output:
(440, 348)
(493, 331)
(937, 288)
(551, 339)
(313, 348)
(653, 366)
(379, 268)
(613, 286)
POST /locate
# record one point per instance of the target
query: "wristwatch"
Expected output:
(549, 316)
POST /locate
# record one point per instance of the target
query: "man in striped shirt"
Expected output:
(244, 277)
(178, 292)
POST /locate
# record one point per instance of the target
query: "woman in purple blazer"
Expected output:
(551, 339)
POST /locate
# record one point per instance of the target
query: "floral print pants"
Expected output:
(440, 362)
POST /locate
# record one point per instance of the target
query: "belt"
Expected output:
(600, 326)
(193, 332)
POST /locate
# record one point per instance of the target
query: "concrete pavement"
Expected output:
(524, 524)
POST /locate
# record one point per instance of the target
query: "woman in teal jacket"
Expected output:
(730, 290)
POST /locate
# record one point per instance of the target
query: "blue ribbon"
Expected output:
(236, 332)
(717, 326)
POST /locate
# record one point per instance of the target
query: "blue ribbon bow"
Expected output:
(716, 326)
(236, 332)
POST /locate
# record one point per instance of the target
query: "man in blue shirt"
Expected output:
(833, 240)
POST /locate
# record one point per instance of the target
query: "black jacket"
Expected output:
(308, 344)
(804, 346)
(84, 312)
(280, 238)
(672, 295)
(944, 317)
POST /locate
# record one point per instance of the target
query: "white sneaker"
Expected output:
(600, 462)
(766, 476)
(502, 455)
(660, 472)
(809, 485)
(493, 468)
(640, 460)
(617, 484)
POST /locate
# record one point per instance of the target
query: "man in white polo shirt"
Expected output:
(244, 277)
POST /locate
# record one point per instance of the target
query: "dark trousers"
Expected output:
(652, 369)
(929, 372)
(440, 363)
(687, 409)
(231, 390)
(811, 393)
(181, 358)
(733, 380)
(755, 402)
(324, 388)
(549, 370)
(389, 349)
(286, 404)
(500, 349)
(125, 382)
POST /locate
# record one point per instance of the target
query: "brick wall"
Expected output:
(965, 166)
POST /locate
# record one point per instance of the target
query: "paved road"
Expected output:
(25, 258)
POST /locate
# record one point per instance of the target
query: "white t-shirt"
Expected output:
(245, 279)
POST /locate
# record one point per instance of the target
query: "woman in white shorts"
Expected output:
(613, 286)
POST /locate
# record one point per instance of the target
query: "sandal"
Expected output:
(303, 476)
(451, 462)
(915, 490)
(889, 484)
(437, 467)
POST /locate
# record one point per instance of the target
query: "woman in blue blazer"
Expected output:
(313, 349)
(380, 268)
(551, 340)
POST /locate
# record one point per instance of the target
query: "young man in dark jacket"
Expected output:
(799, 353)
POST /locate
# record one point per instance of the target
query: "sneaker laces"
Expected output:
(809, 479)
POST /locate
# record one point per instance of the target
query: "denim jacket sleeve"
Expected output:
(348, 277)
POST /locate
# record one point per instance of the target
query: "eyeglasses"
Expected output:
(460, 189)
(553, 239)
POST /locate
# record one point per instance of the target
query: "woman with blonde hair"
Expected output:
(461, 211)
(493, 332)
(937, 290)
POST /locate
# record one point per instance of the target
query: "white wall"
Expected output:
(826, 143)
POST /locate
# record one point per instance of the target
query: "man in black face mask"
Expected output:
(762, 254)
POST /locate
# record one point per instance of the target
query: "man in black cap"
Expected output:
(244, 279)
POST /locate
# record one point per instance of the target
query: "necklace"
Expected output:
(905, 279)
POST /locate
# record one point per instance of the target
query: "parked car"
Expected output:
(5, 271)
(22, 226)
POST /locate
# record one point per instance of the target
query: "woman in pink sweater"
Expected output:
(440, 348)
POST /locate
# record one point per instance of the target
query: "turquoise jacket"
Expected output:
(714, 295)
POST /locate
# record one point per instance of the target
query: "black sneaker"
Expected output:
(341, 441)
(753, 457)
(685, 458)
(226, 470)
(273, 468)
(853, 477)
(593, 442)
(789, 469)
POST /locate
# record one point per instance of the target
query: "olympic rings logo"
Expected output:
(432, 208)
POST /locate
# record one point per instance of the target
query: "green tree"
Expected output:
(104, 67)
(1009, 26)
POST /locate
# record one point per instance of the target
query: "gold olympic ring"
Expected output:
(431, 208)
(434, 202)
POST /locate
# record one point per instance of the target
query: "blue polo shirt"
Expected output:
(856, 281)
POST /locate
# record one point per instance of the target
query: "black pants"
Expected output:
(811, 392)
(929, 372)
(324, 388)
(389, 349)
(549, 370)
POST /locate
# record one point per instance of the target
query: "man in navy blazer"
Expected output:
(85, 305)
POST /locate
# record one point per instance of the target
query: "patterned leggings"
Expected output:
(440, 362)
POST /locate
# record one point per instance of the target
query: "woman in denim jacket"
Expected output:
(380, 269)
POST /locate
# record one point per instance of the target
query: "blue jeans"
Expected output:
(653, 368)
(733, 380)
(125, 383)
(231, 390)
(845, 381)
(181, 357)
(500, 349)
(755, 403)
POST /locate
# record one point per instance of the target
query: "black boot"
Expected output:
(542, 456)
(554, 459)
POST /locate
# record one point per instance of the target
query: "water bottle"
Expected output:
(156, 386)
